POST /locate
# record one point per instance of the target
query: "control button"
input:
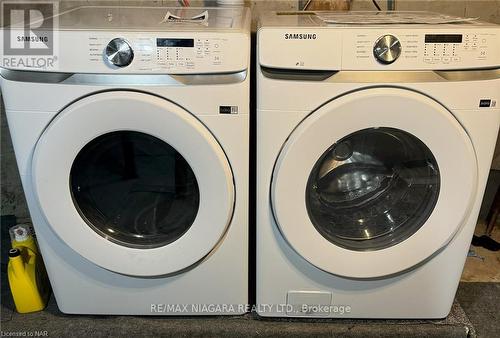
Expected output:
(387, 49)
(436, 59)
(119, 53)
(428, 60)
(446, 59)
(456, 59)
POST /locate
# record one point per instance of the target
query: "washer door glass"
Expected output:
(134, 189)
(372, 189)
(354, 197)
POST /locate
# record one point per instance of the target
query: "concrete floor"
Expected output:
(475, 313)
(481, 303)
(483, 265)
(55, 324)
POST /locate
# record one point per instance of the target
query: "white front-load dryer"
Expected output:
(135, 163)
(374, 144)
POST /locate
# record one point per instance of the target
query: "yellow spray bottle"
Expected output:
(27, 276)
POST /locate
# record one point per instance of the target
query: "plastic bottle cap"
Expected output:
(21, 234)
(14, 252)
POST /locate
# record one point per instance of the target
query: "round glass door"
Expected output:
(133, 183)
(134, 189)
(373, 183)
(372, 189)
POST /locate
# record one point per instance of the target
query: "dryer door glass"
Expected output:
(134, 189)
(372, 189)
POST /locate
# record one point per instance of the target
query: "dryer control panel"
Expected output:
(189, 53)
(130, 52)
(168, 53)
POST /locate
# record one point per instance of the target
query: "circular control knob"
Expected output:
(119, 53)
(387, 49)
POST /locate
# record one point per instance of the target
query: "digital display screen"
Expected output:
(160, 42)
(443, 38)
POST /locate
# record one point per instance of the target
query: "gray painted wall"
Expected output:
(11, 193)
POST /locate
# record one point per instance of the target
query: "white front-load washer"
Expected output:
(374, 144)
(133, 154)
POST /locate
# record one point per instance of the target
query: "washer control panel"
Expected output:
(382, 47)
(406, 49)
(450, 48)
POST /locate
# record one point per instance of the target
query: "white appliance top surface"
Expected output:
(128, 18)
(363, 19)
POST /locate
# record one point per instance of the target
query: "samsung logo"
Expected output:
(32, 39)
(300, 36)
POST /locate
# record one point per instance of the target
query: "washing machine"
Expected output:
(133, 155)
(374, 143)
